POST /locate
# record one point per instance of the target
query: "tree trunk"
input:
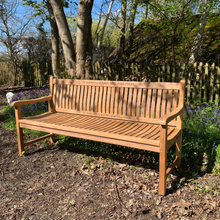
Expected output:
(198, 39)
(84, 40)
(122, 30)
(55, 55)
(131, 27)
(66, 39)
(105, 24)
(88, 69)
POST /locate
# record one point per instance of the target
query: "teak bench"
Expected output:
(140, 115)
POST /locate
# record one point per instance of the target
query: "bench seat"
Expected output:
(131, 131)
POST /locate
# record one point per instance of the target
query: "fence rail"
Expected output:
(203, 79)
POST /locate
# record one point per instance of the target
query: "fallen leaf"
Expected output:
(182, 204)
(124, 186)
(182, 211)
(208, 207)
(159, 201)
(82, 169)
(154, 212)
(159, 214)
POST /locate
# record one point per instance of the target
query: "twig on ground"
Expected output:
(119, 198)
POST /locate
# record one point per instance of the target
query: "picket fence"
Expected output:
(203, 79)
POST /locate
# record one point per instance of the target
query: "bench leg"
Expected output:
(163, 161)
(179, 148)
(162, 173)
(20, 137)
(52, 139)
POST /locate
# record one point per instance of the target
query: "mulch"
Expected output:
(50, 182)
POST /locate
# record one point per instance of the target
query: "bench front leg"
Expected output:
(163, 160)
(20, 135)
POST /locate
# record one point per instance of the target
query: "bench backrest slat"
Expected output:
(164, 101)
(128, 100)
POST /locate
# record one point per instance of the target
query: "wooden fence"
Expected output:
(203, 79)
(31, 74)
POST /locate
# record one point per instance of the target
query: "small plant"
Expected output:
(216, 169)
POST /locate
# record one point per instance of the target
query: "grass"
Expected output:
(201, 137)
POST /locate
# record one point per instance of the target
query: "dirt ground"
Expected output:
(50, 182)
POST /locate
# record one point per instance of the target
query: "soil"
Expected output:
(50, 182)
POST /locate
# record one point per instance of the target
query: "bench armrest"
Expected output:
(25, 102)
(170, 116)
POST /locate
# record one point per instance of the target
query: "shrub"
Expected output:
(27, 110)
(201, 134)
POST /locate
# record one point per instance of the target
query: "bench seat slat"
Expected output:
(130, 130)
(136, 131)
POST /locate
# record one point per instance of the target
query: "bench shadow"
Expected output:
(125, 155)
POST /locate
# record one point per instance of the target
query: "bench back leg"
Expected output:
(163, 161)
(52, 138)
(179, 148)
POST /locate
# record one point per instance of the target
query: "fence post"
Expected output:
(200, 81)
(183, 68)
(137, 72)
(141, 72)
(158, 71)
(218, 87)
(154, 72)
(174, 73)
(212, 82)
(168, 72)
(188, 71)
(206, 82)
(163, 72)
(149, 74)
(194, 72)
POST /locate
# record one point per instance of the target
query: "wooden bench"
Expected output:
(140, 115)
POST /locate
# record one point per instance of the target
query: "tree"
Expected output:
(198, 39)
(84, 40)
(122, 30)
(131, 25)
(105, 24)
(13, 29)
(55, 53)
(66, 39)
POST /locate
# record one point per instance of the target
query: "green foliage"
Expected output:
(201, 133)
(111, 35)
(216, 169)
(27, 110)
(72, 22)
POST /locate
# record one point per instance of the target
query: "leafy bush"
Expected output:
(201, 136)
(27, 110)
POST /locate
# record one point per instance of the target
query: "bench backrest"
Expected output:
(136, 101)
